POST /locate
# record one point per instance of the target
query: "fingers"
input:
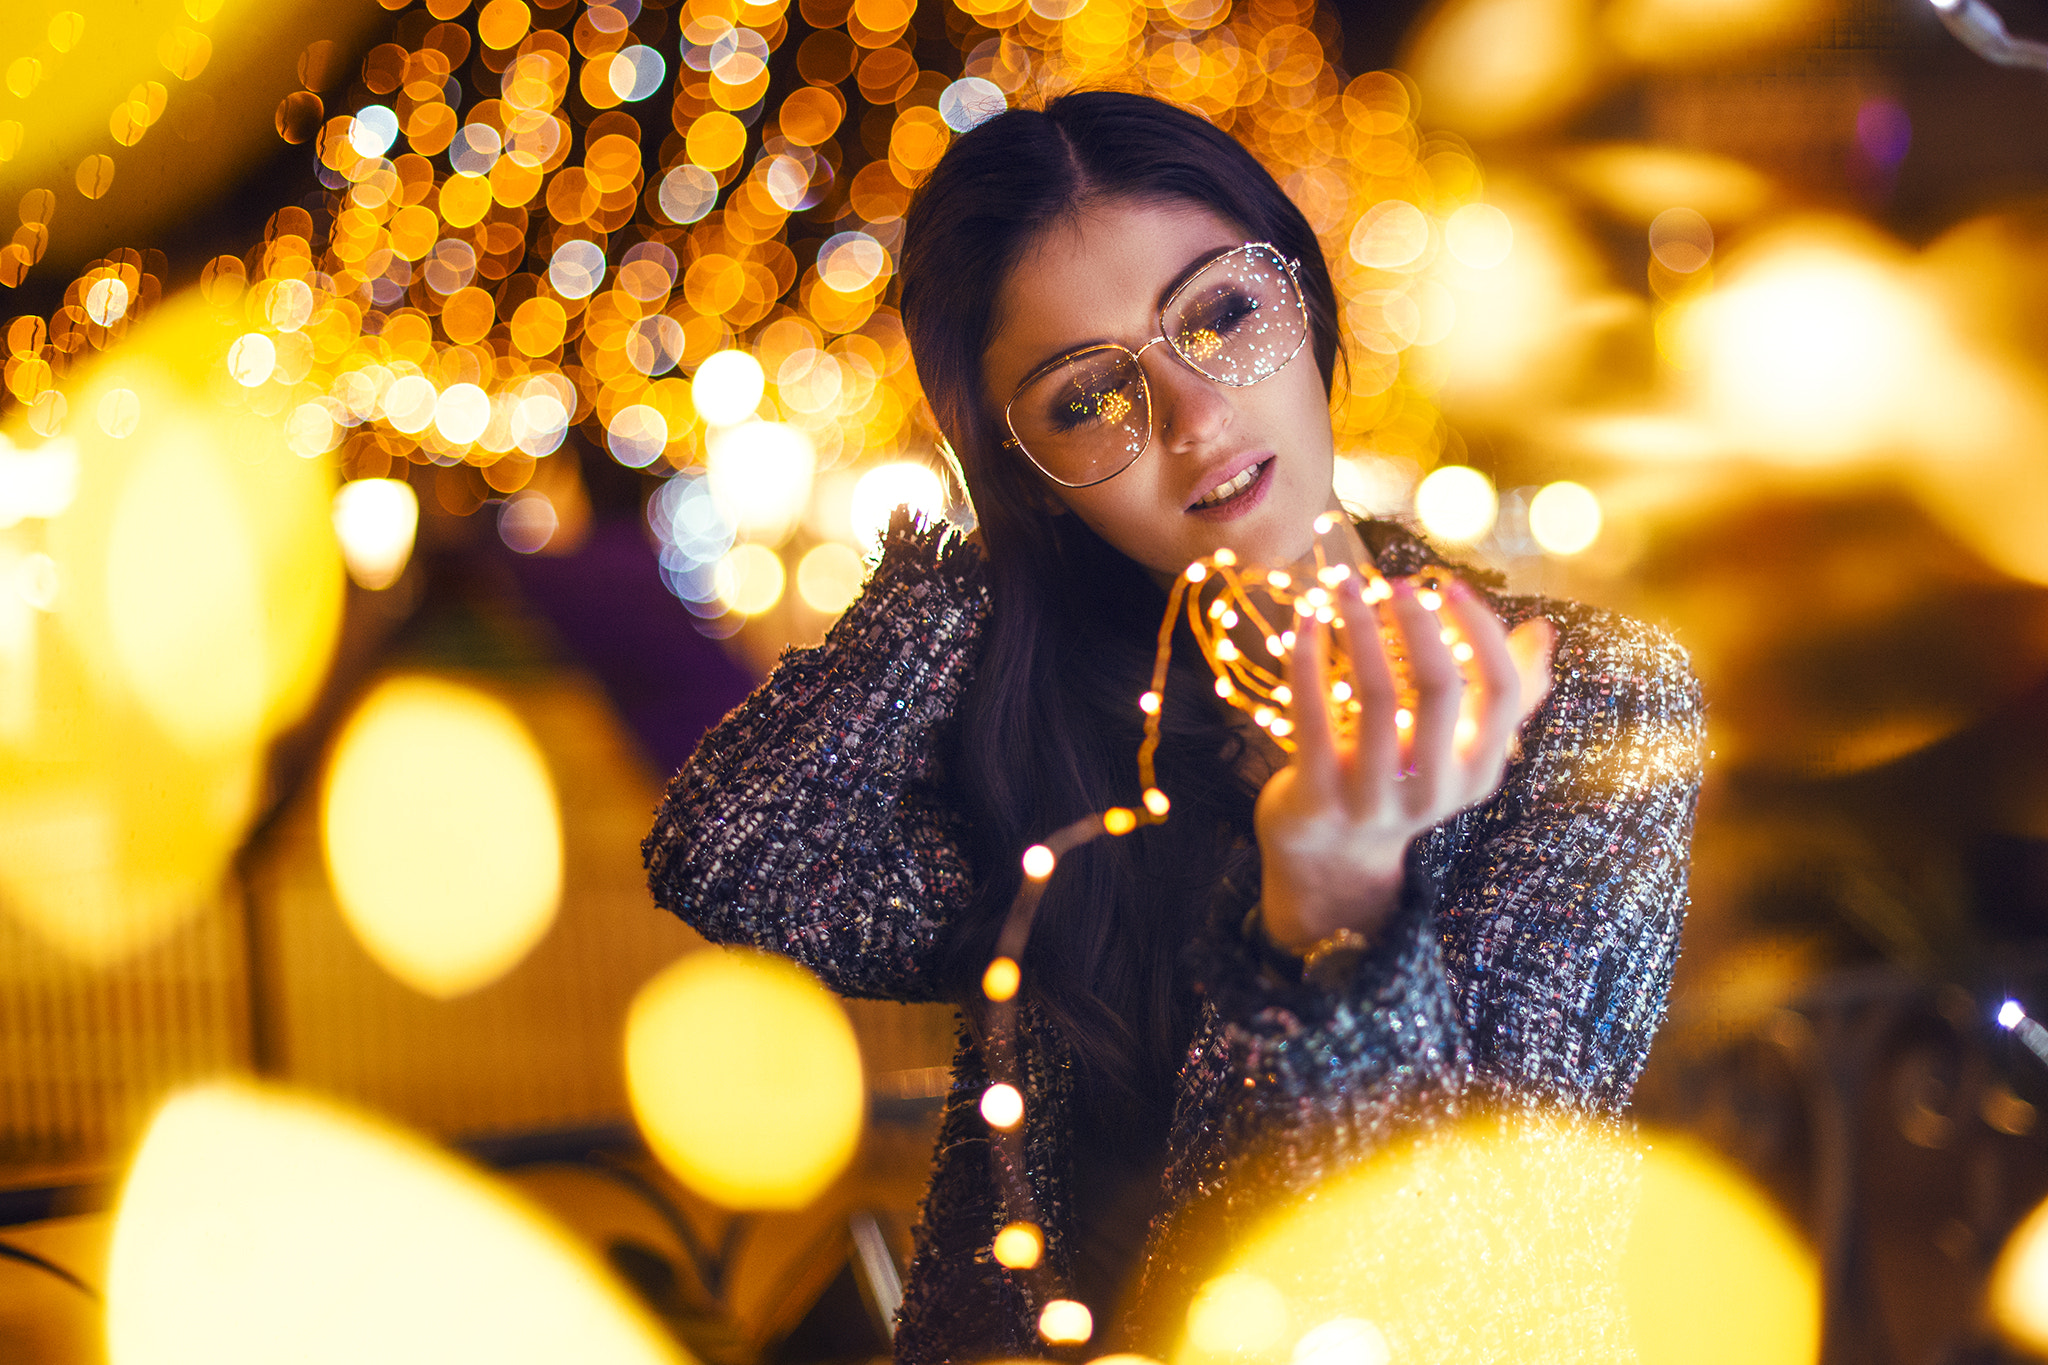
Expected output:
(1439, 690)
(1315, 744)
(1492, 710)
(1376, 756)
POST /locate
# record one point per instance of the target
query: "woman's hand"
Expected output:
(1334, 825)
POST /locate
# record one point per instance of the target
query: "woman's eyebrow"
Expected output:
(1187, 272)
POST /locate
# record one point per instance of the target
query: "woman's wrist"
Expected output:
(1328, 961)
(1296, 929)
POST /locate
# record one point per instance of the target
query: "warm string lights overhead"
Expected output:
(183, 51)
(519, 241)
(1220, 599)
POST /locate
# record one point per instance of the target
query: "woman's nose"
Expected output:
(1191, 410)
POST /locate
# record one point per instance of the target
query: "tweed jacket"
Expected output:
(1528, 964)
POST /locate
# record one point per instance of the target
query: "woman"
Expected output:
(1127, 333)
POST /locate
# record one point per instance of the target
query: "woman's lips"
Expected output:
(1241, 502)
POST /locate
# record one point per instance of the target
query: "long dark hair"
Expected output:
(1050, 727)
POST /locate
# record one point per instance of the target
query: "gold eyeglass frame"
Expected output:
(1293, 268)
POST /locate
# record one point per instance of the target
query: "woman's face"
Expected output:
(1103, 277)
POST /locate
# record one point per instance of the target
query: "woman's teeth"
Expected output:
(1234, 487)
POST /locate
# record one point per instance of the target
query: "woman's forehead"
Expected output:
(1098, 275)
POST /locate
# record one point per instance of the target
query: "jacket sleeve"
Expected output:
(808, 822)
(1528, 962)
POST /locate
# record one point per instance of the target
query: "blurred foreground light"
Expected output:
(1066, 1322)
(1818, 349)
(1237, 1313)
(1343, 1341)
(194, 604)
(375, 520)
(1682, 240)
(39, 482)
(1564, 517)
(768, 1116)
(760, 474)
(2010, 1013)
(259, 1225)
(1551, 1240)
(1018, 1246)
(1489, 67)
(2019, 1282)
(830, 576)
(1480, 236)
(728, 387)
(749, 579)
(1002, 1106)
(251, 359)
(442, 834)
(886, 487)
(1456, 503)
(1640, 181)
(528, 521)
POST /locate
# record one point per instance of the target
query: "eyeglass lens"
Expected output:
(1237, 321)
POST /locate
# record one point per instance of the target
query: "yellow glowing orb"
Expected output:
(1564, 517)
(1480, 236)
(760, 474)
(375, 521)
(1066, 1322)
(195, 593)
(830, 576)
(1237, 1312)
(1713, 1272)
(727, 388)
(886, 487)
(259, 1225)
(1018, 1246)
(1548, 1240)
(1456, 503)
(2019, 1283)
(749, 579)
(1002, 1106)
(442, 834)
(745, 1079)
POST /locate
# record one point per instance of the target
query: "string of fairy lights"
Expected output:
(1217, 595)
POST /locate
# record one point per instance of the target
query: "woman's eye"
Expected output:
(1205, 325)
(1082, 407)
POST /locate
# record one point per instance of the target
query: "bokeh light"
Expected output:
(1564, 517)
(1457, 503)
(886, 487)
(442, 834)
(728, 387)
(760, 473)
(375, 521)
(257, 1223)
(749, 579)
(1551, 1239)
(830, 576)
(771, 1115)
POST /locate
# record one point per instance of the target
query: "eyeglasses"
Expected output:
(1086, 416)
